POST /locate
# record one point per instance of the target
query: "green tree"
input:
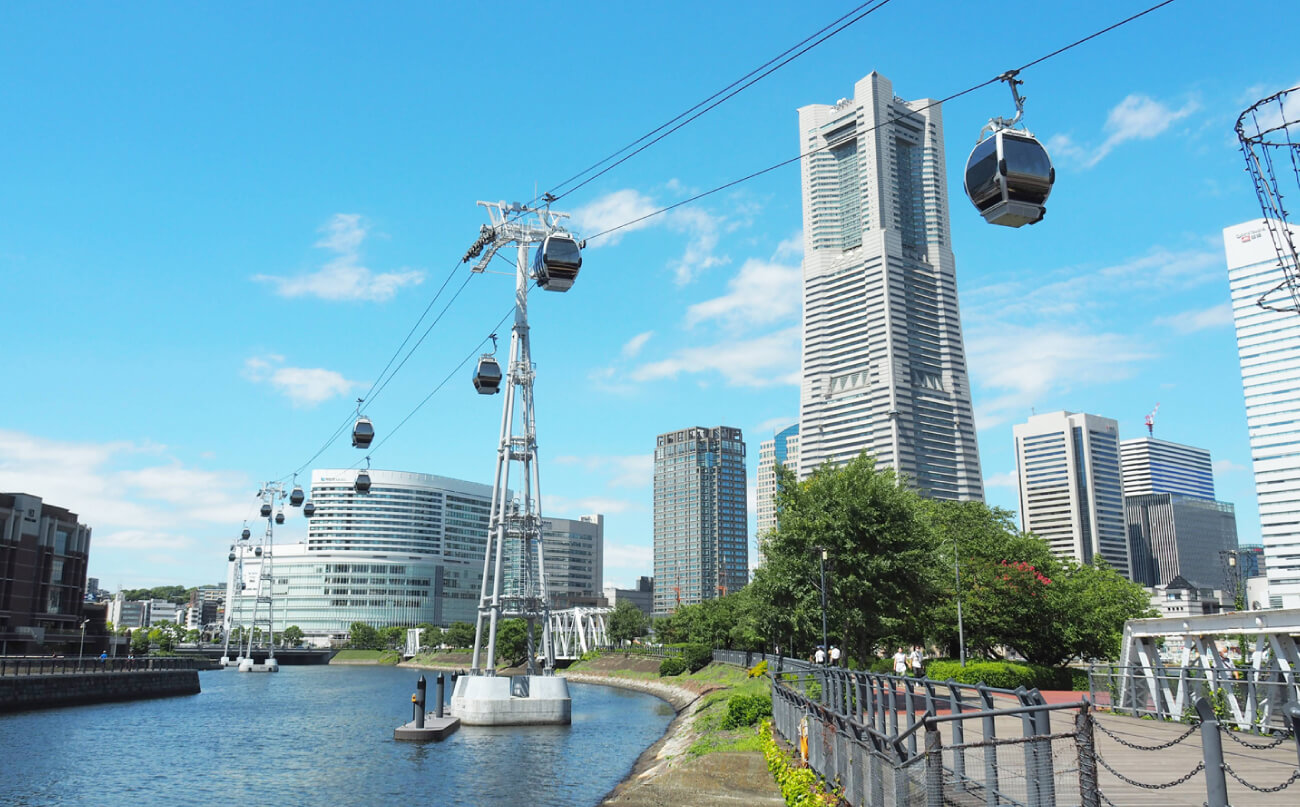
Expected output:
(512, 638)
(882, 574)
(140, 641)
(363, 637)
(192, 635)
(292, 636)
(392, 637)
(460, 634)
(432, 635)
(627, 622)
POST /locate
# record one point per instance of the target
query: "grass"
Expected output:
(713, 708)
(377, 656)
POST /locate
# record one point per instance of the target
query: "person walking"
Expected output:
(900, 662)
(917, 659)
(820, 656)
(835, 656)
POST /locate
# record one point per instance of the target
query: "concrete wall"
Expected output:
(23, 692)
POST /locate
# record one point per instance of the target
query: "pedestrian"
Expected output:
(103, 656)
(835, 656)
(917, 659)
(900, 662)
(820, 656)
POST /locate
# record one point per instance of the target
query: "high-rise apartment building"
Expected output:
(1268, 344)
(782, 449)
(1175, 526)
(1159, 466)
(1071, 490)
(700, 520)
(43, 555)
(884, 368)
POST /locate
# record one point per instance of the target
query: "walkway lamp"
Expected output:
(961, 631)
(81, 650)
(823, 553)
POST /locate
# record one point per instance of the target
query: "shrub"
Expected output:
(697, 656)
(882, 665)
(746, 710)
(758, 670)
(1008, 674)
(672, 666)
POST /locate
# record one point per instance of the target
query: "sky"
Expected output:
(218, 223)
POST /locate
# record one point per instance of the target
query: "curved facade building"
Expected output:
(407, 552)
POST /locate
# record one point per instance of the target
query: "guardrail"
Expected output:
(38, 665)
(1246, 698)
(651, 651)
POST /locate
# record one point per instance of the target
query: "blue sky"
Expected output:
(218, 223)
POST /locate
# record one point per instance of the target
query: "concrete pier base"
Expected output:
(520, 700)
(435, 728)
(248, 665)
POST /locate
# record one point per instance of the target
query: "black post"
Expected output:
(417, 701)
(825, 647)
(1216, 781)
(1291, 712)
(441, 693)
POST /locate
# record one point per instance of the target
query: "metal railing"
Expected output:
(648, 650)
(45, 665)
(990, 746)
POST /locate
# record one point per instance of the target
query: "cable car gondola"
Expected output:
(487, 377)
(308, 509)
(362, 432)
(1009, 174)
(266, 510)
(363, 482)
(232, 557)
(296, 497)
(258, 551)
(279, 517)
(245, 535)
(557, 262)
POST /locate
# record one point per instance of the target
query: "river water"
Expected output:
(320, 735)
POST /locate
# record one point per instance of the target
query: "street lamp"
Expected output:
(822, 560)
(81, 650)
(1234, 578)
(961, 631)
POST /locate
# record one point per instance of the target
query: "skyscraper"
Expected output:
(700, 521)
(1268, 343)
(883, 369)
(1071, 490)
(782, 449)
(1175, 526)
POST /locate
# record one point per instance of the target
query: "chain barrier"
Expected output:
(1200, 766)
(1109, 803)
(1232, 735)
(1290, 781)
(998, 741)
(1190, 731)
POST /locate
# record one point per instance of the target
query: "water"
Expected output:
(321, 735)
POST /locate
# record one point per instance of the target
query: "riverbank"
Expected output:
(673, 770)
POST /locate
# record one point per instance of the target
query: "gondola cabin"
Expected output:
(296, 497)
(245, 535)
(363, 483)
(279, 517)
(266, 511)
(308, 509)
(487, 376)
(557, 262)
(1008, 178)
(363, 432)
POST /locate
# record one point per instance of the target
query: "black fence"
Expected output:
(46, 665)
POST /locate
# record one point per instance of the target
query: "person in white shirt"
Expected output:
(900, 662)
(820, 656)
(835, 656)
(917, 660)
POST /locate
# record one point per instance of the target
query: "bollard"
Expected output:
(1291, 711)
(1216, 780)
(417, 702)
(441, 694)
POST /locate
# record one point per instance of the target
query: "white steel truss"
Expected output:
(1254, 695)
(575, 631)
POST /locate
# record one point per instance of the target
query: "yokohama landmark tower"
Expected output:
(884, 369)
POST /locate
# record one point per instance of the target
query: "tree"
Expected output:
(881, 553)
(292, 636)
(392, 637)
(627, 622)
(512, 638)
(460, 634)
(432, 635)
(140, 641)
(363, 637)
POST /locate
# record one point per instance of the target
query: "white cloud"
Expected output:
(343, 277)
(1024, 363)
(769, 427)
(790, 249)
(1162, 268)
(629, 556)
(759, 294)
(760, 361)
(1226, 466)
(627, 471)
(135, 540)
(1003, 480)
(565, 507)
(1198, 320)
(633, 346)
(630, 207)
(611, 210)
(304, 386)
(1137, 117)
(702, 227)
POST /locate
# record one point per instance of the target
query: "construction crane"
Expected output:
(1150, 420)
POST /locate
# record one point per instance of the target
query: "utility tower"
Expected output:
(261, 627)
(515, 524)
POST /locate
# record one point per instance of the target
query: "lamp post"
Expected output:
(81, 650)
(822, 561)
(961, 631)
(1234, 578)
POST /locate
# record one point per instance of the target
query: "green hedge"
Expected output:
(746, 710)
(672, 666)
(1008, 674)
(697, 656)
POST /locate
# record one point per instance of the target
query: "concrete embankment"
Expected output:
(666, 774)
(24, 692)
